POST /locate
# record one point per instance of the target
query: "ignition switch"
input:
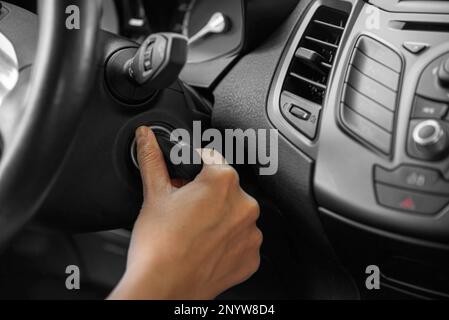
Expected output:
(183, 171)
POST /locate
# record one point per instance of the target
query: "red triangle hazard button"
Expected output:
(408, 204)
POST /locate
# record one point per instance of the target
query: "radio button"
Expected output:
(429, 109)
(409, 201)
(414, 178)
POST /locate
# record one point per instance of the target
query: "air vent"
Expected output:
(370, 98)
(308, 73)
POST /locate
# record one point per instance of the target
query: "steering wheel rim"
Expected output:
(39, 117)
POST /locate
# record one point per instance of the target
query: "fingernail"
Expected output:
(141, 132)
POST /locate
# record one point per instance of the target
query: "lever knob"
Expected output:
(431, 138)
(159, 60)
(136, 77)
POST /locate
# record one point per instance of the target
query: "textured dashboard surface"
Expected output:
(241, 102)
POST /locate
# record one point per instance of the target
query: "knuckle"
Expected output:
(210, 173)
(253, 209)
(229, 175)
(248, 211)
(257, 238)
(223, 176)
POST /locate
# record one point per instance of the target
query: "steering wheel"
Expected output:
(39, 117)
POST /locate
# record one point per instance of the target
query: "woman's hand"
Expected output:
(192, 242)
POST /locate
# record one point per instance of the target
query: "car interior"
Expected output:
(357, 89)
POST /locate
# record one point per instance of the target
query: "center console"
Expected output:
(383, 151)
(363, 90)
(366, 96)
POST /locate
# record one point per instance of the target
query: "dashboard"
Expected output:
(357, 88)
(248, 23)
(208, 57)
(362, 90)
(358, 91)
(387, 176)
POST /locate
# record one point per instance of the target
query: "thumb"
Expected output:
(155, 177)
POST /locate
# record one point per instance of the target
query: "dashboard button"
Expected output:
(443, 74)
(430, 85)
(300, 113)
(148, 58)
(414, 178)
(415, 47)
(428, 109)
(409, 201)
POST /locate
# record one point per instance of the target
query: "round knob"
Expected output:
(443, 74)
(185, 172)
(431, 138)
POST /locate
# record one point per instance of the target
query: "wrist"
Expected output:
(142, 285)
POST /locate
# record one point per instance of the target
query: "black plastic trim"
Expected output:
(383, 233)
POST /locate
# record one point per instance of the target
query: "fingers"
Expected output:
(213, 163)
(211, 157)
(155, 177)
